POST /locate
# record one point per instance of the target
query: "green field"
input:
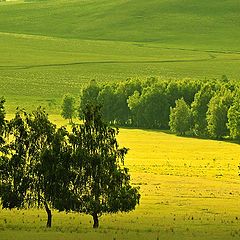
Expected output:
(189, 190)
(189, 187)
(49, 48)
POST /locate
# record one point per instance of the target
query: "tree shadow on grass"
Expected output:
(167, 131)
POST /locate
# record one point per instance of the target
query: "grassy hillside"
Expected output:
(189, 190)
(211, 24)
(49, 48)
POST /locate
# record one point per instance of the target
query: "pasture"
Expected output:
(49, 48)
(189, 187)
(189, 190)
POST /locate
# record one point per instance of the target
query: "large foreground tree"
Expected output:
(101, 183)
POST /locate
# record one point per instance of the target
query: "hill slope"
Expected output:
(212, 24)
(51, 47)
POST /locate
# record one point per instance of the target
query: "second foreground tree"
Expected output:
(101, 182)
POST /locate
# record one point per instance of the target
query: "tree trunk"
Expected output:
(95, 220)
(49, 214)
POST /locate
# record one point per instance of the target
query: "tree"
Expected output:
(107, 98)
(180, 118)
(217, 113)
(122, 111)
(52, 173)
(200, 108)
(155, 107)
(151, 108)
(234, 118)
(134, 104)
(173, 92)
(68, 108)
(234, 121)
(43, 166)
(182, 89)
(13, 174)
(45, 151)
(34, 167)
(101, 183)
(89, 95)
(224, 79)
(188, 90)
(2, 121)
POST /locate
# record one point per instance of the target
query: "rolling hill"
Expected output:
(51, 47)
(211, 24)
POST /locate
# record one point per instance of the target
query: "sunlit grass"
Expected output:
(189, 190)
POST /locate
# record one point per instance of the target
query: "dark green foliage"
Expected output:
(46, 166)
(2, 121)
(182, 89)
(234, 118)
(33, 167)
(102, 184)
(180, 118)
(14, 176)
(217, 114)
(188, 90)
(89, 95)
(200, 108)
(123, 91)
(173, 92)
(134, 105)
(49, 153)
(68, 108)
(150, 109)
(146, 104)
(108, 99)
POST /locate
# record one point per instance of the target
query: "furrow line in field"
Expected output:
(19, 67)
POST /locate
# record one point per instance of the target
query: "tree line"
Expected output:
(206, 108)
(45, 166)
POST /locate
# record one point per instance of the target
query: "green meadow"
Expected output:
(49, 48)
(189, 190)
(189, 187)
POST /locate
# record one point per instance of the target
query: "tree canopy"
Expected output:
(68, 107)
(81, 170)
(180, 118)
(105, 185)
(147, 104)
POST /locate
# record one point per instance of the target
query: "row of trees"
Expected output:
(144, 104)
(200, 108)
(81, 170)
(212, 114)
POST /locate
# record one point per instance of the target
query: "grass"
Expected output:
(49, 48)
(179, 22)
(189, 187)
(189, 190)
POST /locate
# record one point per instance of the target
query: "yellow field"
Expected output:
(190, 189)
(186, 184)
